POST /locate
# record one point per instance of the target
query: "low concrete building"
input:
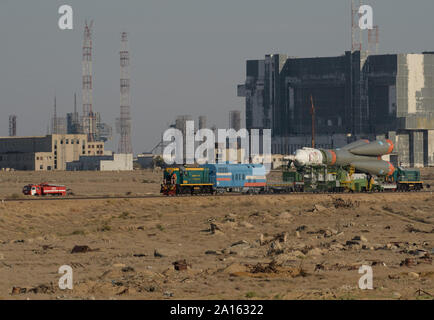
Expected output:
(114, 162)
(50, 152)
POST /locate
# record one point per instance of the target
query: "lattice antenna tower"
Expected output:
(355, 44)
(88, 120)
(373, 39)
(124, 122)
(12, 125)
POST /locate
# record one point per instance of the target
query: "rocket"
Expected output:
(363, 155)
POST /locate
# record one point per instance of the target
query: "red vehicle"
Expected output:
(44, 189)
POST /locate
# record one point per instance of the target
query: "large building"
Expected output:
(354, 95)
(50, 152)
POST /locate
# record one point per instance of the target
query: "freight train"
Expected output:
(251, 179)
(357, 167)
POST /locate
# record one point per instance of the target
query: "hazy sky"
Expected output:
(187, 56)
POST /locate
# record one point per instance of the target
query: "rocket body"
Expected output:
(362, 155)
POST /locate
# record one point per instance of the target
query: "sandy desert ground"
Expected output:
(235, 247)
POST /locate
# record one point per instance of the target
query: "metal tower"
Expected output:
(54, 127)
(12, 125)
(355, 45)
(124, 122)
(235, 120)
(88, 119)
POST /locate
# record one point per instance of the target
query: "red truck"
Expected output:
(44, 189)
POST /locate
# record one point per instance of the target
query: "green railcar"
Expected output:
(407, 179)
(186, 181)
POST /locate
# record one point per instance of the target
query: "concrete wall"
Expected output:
(25, 144)
(67, 148)
(415, 84)
(416, 149)
(430, 148)
(115, 162)
(37, 161)
(120, 162)
(413, 148)
(18, 161)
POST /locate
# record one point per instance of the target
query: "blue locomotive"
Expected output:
(245, 178)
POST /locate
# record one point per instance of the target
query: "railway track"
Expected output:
(158, 196)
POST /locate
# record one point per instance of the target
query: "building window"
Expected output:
(67, 141)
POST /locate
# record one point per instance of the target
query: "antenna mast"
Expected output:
(124, 122)
(88, 115)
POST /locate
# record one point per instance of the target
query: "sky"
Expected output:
(187, 56)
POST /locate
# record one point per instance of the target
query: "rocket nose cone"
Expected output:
(391, 146)
(391, 169)
(301, 158)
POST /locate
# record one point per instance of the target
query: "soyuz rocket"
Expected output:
(363, 155)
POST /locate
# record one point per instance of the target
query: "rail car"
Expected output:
(182, 180)
(406, 180)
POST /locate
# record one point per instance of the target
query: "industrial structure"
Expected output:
(58, 124)
(88, 120)
(74, 138)
(124, 122)
(73, 122)
(12, 125)
(202, 122)
(235, 120)
(360, 94)
(50, 152)
(356, 96)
